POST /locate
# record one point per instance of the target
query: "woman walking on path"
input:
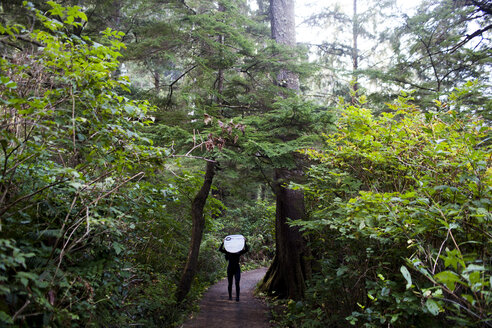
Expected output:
(233, 268)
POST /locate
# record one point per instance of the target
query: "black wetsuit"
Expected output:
(233, 268)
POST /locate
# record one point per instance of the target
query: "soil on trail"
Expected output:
(216, 310)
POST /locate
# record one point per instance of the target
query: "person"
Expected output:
(233, 268)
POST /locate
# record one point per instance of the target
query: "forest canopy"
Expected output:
(135, 135)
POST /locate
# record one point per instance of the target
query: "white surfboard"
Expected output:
(234, 243)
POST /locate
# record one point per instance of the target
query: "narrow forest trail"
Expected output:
(216, 310)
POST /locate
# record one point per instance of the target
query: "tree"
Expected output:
(74, 181)
(443, 45)
(354, 43)
(213, 37)
(290, 267)
(198, 222)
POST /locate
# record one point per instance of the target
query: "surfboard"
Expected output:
(234, 243)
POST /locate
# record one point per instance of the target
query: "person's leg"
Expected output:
(230, 276)
(237, 278)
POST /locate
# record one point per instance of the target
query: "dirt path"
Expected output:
(217, 311)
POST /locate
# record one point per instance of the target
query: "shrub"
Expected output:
(400, 219)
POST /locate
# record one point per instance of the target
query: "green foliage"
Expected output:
(292, 124)
(256, 221)
(444, 44)
(400, 219)
(83, 210)
(94, 227)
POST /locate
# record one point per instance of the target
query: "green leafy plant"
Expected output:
(400, 210)
(75, 195)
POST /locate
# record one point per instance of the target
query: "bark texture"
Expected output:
(355, 52)
(198, 223)
(283, 28)
(290, 268)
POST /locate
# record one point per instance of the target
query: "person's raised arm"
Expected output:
(221, 248)
(245, 249)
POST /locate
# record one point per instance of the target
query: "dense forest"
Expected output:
(136, 134)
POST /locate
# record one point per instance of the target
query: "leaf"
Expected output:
(474, 277)
(474, 267)
(24, 277)
(448, 278)
(432, 306)
(82, 15)
(468, 298)
(406, 274)
(4, 317)
(341, 271)
(118, 248)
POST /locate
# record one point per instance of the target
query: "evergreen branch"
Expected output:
(234, 106)
(195, 157)
(431, 58)
(468, 38)
(183, 2)
(266, 178)
(396, 79)
(484, 6)
(170, 94)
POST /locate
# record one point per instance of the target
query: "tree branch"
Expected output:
(2, 212)
(468, 38)
(169, 96)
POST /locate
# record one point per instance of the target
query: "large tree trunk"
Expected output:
(290, 267)
(284, 32)
(355, 52)
(289, 270)
(198, 223)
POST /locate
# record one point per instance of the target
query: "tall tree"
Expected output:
(287, 275)
(354, 42)
(355, 50)
(443, 45)
(198, 224)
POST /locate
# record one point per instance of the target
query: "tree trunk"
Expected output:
(355, 53)
(219, 83)
(198, 223)
(290, 267)
(287, 275)
(284, 32)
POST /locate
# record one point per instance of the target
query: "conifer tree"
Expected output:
(443, 45)
(289, 269)
(356, 44)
